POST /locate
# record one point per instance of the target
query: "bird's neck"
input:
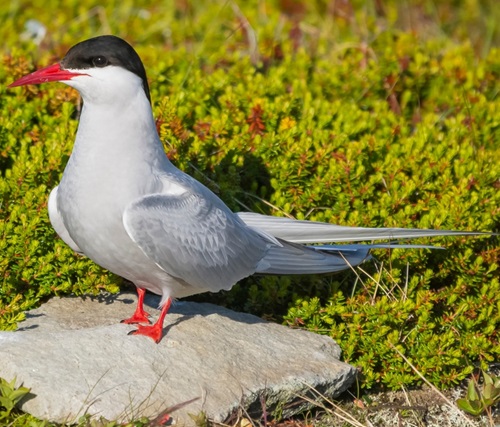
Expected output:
(121, 134)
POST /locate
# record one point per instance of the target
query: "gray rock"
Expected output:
(77, 359)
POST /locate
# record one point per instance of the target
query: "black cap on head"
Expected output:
(102, 51)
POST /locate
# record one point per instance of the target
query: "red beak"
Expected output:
(52, 73)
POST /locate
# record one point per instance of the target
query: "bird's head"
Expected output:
(103, 69)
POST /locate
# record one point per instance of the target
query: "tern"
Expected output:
(124, 205)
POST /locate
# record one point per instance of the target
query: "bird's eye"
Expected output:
(99, 61)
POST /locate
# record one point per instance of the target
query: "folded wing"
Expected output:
(192, 238)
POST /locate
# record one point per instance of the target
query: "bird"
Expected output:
(122, 203)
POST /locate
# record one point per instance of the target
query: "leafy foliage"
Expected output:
(10, 395)
(440, 335)
(481, 399)
(342, 116)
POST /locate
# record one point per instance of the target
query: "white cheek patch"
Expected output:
(106, 85)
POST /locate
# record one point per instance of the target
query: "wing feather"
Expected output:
(319, 232)
(195, 239)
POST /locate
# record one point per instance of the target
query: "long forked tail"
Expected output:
(295, 258)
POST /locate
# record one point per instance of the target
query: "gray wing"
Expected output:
(319, 232)
(57, 222)
(195, 239)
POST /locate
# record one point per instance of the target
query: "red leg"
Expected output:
(154, 331)
(139, 315)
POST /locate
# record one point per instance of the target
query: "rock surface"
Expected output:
(77, 359)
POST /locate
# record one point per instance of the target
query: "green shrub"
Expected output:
(10, 397)
(378, 127)
(484, 399)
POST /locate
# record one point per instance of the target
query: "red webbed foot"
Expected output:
(154, 331)
(139, 316)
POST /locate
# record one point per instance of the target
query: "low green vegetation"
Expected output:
(9, 397)
(375, 115)
(482, 398)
